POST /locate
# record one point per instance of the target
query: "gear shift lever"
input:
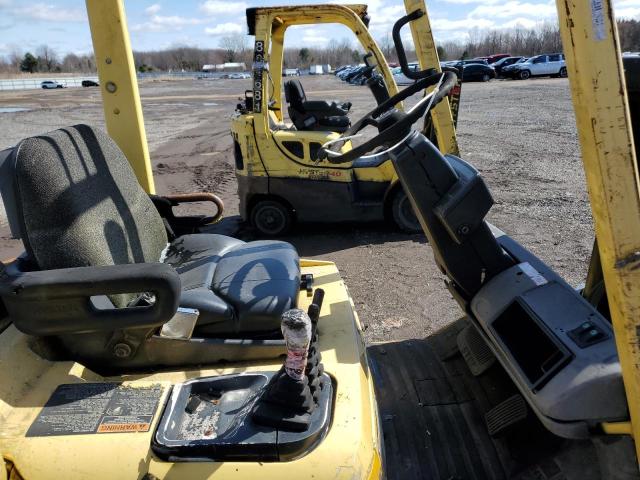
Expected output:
(296, 329)
(287, 402)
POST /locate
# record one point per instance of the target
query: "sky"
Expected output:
(158, 24)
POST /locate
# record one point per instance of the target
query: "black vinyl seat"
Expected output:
(237, 287)
(315, 115)
(98, 264)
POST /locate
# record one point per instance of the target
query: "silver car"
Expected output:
(400, 78)
(47, 84)
(551, 65)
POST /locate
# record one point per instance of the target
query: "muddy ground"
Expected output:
(521, 135)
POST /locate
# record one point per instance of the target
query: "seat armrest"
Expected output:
(184, 225)
(53, 302)
(323, 107)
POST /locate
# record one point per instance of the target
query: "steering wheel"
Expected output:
(392, 124)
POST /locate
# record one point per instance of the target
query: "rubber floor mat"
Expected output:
(432, 428)
(432, 411)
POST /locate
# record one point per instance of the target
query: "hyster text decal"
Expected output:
(319, 173)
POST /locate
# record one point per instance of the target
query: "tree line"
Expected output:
(46, 59)
(237, 48)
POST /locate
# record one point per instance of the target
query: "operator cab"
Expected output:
(330, 115)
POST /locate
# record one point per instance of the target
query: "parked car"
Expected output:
(353, 73)
(552, 65)
(89, 83)
(477, 72)
(291, 72)
(491, 59)
(400, 78)
(345, 71)
(48, 84)
(359, 78)
(505, 62)
(453, 63)
(507, 71)
(239, 75)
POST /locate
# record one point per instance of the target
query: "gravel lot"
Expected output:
(520, 134)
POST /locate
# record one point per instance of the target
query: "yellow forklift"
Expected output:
(133, 345)
(281, 177)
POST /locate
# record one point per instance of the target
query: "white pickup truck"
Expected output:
(551, 64)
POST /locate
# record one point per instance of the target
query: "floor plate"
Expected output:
(432, 411)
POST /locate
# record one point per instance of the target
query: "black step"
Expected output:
(506, 414)
(475, 351)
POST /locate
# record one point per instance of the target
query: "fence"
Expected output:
(31, 83)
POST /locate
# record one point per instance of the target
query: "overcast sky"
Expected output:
(154, 25)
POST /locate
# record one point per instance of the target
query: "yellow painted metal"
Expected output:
(119, 85)
(376, 469)
(616, 428)
(597, 83)
(428, 58)
(350, 450)
(275, 70)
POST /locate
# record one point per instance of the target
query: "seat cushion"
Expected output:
(261, 280)
(195, 258)
(238, 287)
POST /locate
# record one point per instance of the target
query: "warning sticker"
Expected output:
(597, 18)
(87, 408)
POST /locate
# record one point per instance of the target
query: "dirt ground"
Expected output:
(521, 135)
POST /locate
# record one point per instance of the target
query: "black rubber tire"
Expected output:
(402, 213)
(486, 77)
(563, 72)
(271, 218)
(524, 75)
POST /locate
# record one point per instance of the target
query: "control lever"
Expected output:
(292, 394)
(287, 402)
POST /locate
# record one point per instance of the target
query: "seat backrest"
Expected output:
(80, 203)
(294, 95)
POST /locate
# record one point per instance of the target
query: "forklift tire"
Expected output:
(271, 218)
(403, 215)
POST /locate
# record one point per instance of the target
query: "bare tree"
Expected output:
(234, 47)
(388, 48)
(47, 58)
(15, 57)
